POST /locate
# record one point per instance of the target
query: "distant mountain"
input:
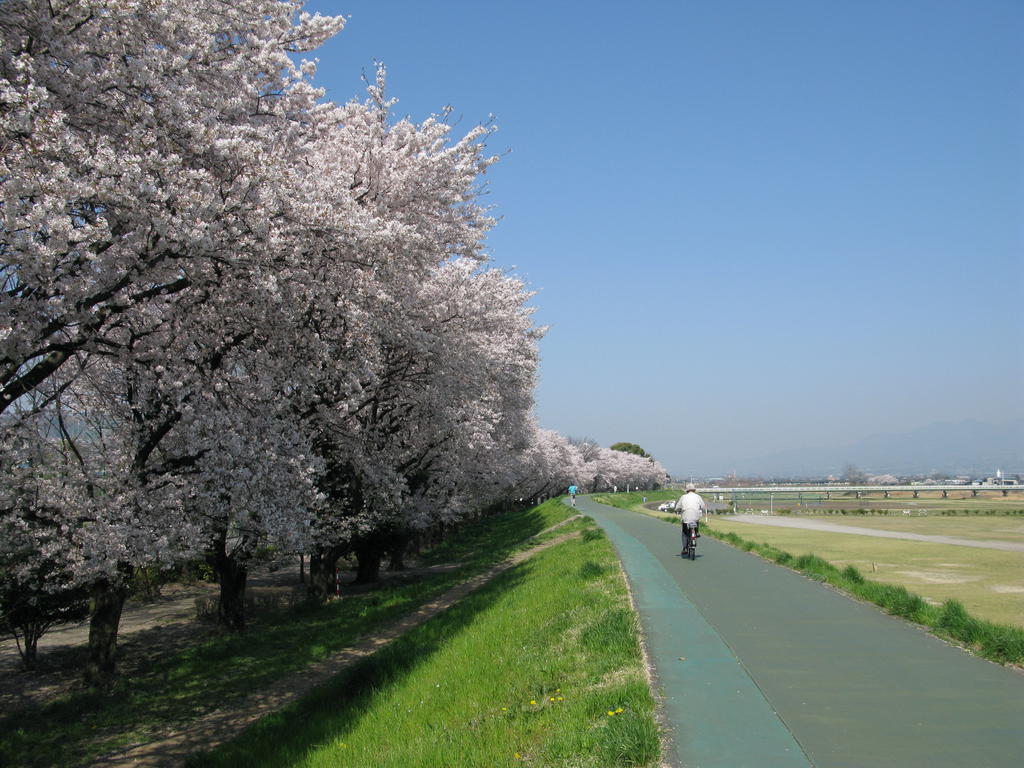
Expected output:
(966, 447)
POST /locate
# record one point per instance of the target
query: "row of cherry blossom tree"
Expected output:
(235, 314)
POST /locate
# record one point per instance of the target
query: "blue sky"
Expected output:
(752, 226)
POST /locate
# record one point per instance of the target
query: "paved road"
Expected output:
(822, 525)
(762, 667)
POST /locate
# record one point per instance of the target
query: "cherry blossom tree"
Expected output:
(143, 144)
(139, 140)
(72, 497)
(460, 406)
(622, 469)
(547, 465)
(552, 462)
(419, 363)
(233, 313)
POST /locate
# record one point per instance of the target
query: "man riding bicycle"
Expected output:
(691, 506)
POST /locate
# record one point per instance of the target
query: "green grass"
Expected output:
(631, 500)
(173, 689)
(634, 503)
(1001, 643)
(524, 671)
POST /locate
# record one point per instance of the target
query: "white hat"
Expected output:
(691, 487)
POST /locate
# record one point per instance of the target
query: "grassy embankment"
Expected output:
(634, 501)
(540, 667)
(842, 560)
(174, 689)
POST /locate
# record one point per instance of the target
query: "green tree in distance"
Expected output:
(631, 448)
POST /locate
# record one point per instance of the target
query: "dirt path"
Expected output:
(222, 725)
(821, 525)
(147, 629)
(175, 605)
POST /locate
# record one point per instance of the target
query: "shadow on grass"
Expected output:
(336, 707)
(169, 684)
(491, 539)
(172, 689)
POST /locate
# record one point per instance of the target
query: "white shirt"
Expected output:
(691, 507)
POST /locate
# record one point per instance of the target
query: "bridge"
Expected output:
(859, 490)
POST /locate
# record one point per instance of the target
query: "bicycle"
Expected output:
(690, 545)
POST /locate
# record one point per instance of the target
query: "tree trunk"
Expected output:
(369, 556)
(232, 571)
(107, 603)
(302, 569)
(26, 637)
(322, 564)
(31, 645)
(396, 552)
(231, 605)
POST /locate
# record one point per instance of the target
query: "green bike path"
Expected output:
(760, 666)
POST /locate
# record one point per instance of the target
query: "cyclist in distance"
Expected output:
(691, 506)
